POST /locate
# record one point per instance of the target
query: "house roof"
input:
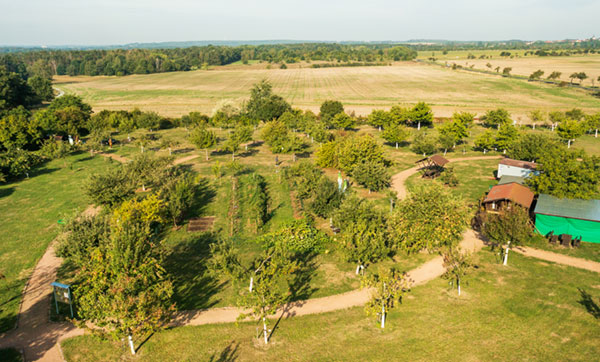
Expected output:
(514, 192)
(517, 163)
(507, 179)
(568, 208)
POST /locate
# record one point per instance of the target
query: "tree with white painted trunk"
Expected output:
(203, 139)
(457, 263)
(388, 287)
(509, 228)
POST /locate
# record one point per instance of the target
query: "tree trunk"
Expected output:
(569, 144)
(445, 151)
(143, 187)
(419, 126)
(206, 151)
(458, 285)
(232, 156)
(506, 254)
(396, 145)
(131, 344)
(251, 284)
(265, 334)
(142, 149)
(596, 135)
(382, 316)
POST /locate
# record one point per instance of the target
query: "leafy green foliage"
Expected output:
(421, 114)
(496, 117)
(448, 177)
(512, 225)
(564, 176)
(388, 286)
(456, 264)
(326, 197)
(82, 236)
(423, 144)
(372, 175)
(109, 188)
(16, 163)
(147, 170)
(431, 217)
(379, 118)
(343, 121)
(531, 147)
(17, 131)
(363, 238)
(569, 129)
(253, 201)
(178, 194)
(263, 104)
(506, 136)
(485, 141)
(329, 109)
(202, 138)
(395, 134)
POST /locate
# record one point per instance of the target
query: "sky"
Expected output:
(106, 22)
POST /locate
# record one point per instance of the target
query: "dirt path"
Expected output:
(39, 339)
(35, 334)
(399, 179)
(185, 159)
(559, 258)
(114, 156)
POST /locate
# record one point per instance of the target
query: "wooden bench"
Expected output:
(565, 240)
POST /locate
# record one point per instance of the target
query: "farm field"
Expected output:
(525, 65)
(361, 89)
(505, 313)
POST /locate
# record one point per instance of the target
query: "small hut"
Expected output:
(503, 197)
(432, 167)
(510, 167)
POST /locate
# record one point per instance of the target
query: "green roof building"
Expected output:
(578, 218)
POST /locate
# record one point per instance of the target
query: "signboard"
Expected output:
(62, 294)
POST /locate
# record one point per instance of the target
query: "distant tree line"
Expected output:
(144, 61)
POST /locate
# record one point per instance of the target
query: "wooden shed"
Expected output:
(432, 166)
(503, 197)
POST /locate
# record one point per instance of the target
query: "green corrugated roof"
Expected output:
(506, 179)
(570, 208)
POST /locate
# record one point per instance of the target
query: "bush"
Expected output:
(326, 197)
(372, 175)
(448, 177)
(109, 188)
(423, 144)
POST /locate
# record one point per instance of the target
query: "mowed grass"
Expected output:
(361, 89)
(528, 310)
(29, 210)
(525, 65)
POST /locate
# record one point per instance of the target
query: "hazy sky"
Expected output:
(93, 22)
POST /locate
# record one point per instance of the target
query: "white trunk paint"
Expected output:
(382, 317)
(265, 334)
(206, 151)
(419, 126)
(569, 144)
(445, 150)
(596, 135)
(506, 254)
(534, 126)
(396, 145)
(458, 285)
(251, 284)
(131, 344)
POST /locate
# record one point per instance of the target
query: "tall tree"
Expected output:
(264, 104)
(421, 115)
(330, 109)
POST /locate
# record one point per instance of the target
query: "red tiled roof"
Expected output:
(514, 192)
(517, 163)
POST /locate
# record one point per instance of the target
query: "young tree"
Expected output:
(147, 170)
(569, 129)
(457, 263)
(388, 288)
(109, 188)
(554, 75)
(202, 138)
(423, 144)
(506, 136)
(264, 105)
(496, 118)
(592, 122)
(421, 115)
(379, 118)
(431, 217)
(465, 118)
(536, 75)
(343, 121)
(123, 289)
(511, 227)
(395, 134)
(330, 109)
(506, 71)
(237, 137)
(372, 175)
(178, 194)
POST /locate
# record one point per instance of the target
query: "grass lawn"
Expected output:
(29, 210)
(474, 179)
(528, 310)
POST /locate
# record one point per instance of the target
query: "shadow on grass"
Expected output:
(186, 264)
(229, 354)
(588, 302)
(7, 191)
(205, 193)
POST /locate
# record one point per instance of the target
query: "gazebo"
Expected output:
(432, 167)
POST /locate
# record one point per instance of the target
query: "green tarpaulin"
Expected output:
(588, 230)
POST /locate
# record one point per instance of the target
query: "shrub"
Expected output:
(82, 235)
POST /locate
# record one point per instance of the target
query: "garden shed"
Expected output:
(432, 166)
(502, 197)
(506, 179)
(578, 218)
(510, 167)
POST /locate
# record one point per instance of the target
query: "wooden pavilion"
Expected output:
(432, 167)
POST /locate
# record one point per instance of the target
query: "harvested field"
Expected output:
(361, 89)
